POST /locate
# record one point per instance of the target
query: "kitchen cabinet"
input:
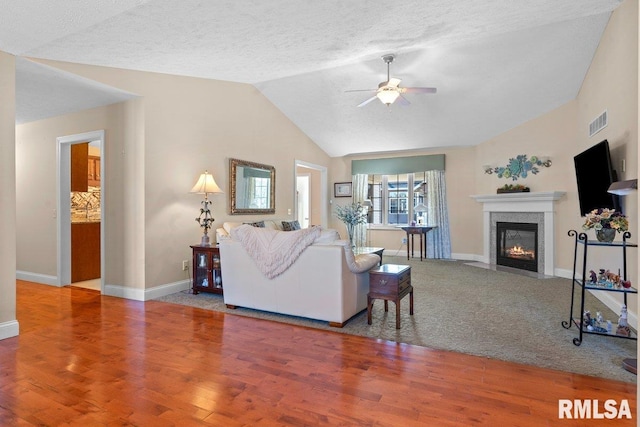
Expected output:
(79, 167)
(93, 171)
(85, 251)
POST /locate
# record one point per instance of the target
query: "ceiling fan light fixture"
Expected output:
(388, 96)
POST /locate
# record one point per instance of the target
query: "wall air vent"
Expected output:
(598, 123)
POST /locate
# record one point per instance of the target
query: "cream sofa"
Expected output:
(326, 282)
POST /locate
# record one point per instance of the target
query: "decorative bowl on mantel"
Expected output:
(510, 188)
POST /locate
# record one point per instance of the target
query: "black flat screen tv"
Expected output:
(595, 173)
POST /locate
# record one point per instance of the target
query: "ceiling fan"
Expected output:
(389, 91)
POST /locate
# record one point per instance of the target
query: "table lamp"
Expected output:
(420, 209)
(205, 185)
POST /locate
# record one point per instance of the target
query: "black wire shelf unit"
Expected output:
(581, 241)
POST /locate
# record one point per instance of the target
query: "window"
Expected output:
(260, 197)
(394, 197)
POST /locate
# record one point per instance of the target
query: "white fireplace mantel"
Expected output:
(522, 202)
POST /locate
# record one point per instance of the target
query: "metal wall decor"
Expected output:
(519, 167)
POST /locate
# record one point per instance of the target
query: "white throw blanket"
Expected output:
(273, 250)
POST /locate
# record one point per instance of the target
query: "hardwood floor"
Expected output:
(84, 359)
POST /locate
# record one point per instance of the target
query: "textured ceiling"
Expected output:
(495, 63)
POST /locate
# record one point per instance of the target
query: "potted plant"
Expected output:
(606, 222)
(352, 215)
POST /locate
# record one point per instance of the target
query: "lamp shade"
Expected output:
(420, 208)
(206, 184)
(622, 188)
(367, 203)
(387, 96)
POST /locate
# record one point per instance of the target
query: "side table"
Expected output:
(207, 272)
(422, 230)
(390, 282)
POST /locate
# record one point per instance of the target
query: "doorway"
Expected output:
(64, 229)
(316, 193)
(303, 183)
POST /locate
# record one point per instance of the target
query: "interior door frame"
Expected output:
(323, 189)
(307, 177)
(63, 153)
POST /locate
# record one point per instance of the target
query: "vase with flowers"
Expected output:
(606, 222)
(352, 215)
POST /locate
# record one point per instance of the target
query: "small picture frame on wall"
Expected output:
(342, 189)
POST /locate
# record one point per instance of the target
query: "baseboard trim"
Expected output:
(43, 279)
(124, 292)
(168, 289)
(466, 257)
(146, 294)
(9, 329)
(564, 273)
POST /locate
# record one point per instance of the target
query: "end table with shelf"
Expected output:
(207, 271)
(580, 280)
(390, 282)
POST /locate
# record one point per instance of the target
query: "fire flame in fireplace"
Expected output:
(518, 252)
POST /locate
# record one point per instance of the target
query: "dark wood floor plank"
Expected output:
(84, 359)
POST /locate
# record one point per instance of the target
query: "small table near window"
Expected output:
(422, 230)
(369, 250)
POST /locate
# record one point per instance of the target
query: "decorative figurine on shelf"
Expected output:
(599, 319)
(613, 278)
(622, 320)
(601, 276)
(586, 319)
(607, 279)
(623, 326)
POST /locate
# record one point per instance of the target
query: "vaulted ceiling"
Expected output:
(495, 63)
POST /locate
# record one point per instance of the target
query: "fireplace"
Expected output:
(536, 208)
(517, 245)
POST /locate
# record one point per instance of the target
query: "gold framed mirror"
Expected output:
(253, 188)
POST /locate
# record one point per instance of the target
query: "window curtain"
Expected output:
(438, 239)
(359, 192)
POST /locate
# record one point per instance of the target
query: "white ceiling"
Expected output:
(495, 63)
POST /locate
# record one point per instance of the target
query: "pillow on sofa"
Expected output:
(259, 224)
(290, 225)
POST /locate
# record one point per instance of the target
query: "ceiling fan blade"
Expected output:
(361, 90)
(403, 101)
(419, 90)
(393, 82)
(362, 104)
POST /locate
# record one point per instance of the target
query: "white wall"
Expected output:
(8, 323)
(160, 144)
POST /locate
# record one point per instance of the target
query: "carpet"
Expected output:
(482, 312)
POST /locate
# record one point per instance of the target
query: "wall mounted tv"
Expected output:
(594, 173)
